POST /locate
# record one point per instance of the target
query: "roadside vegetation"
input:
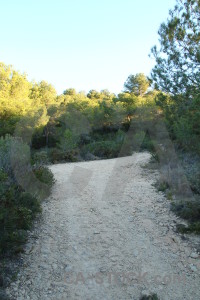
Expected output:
(176, 76)
(74, 126)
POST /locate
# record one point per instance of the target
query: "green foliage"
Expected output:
(68, 141)
(193, 227)
(178, 59)
(18, 208)
(191, 165)
(177, 73)
(57, 155)
(187, 210)
(70, 92)
(93, 94)
(169, 196)
(17, 211)
(147, 144)
(43, 174)
(162, 186)
(103, 149)
(59, 122)
(104, 143)
(137, 84)
(43, 93)
(40, 157)
(182, 119)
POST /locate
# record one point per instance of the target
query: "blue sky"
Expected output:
(85, 44)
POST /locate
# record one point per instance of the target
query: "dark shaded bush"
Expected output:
(162, 186)
(18, 208)
(44, 175)
(194, 227)
(103, 149)
(40, 157)
(147, 144)
(84, 139)
(189, 211)
(17, 211)
(57, 155)
(191, 165)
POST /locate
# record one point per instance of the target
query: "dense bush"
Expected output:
(102, 149)
(18, 208)
(189, 211)
(191, 165)
(17, 211)
(147, 144)
(44, 175)
(57, 155)
(40, 157)
(104, 143)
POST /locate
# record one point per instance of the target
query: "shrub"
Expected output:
(189, 210)
(18, 208)
(44, 175)
(17, 211)
(68, 142)
(191, 165)
(57, 155)
(103, 149)
(147, 144)
(191, 228)
(40, 157)
(162, 186)
(120, 135)
(185, 134)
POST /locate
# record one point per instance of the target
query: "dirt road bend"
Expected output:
(107, 233)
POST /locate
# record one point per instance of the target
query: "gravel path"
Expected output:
(106, 233)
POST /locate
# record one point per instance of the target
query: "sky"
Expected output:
(81, 44)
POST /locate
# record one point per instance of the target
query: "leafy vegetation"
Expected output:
(176, 76)
(38, 127)
(177, 73)
(65, 127)
(137, 84)
(18, 208)
(189, 211)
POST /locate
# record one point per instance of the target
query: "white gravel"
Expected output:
(106, 233)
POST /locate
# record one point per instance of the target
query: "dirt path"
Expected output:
(106, 233)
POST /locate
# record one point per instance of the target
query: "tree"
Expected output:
(177, 73)
(137, 84)
(44, 92)
(14, 98)
(93, 94)
(14, 91)
(106, 95)
(177, 69)
(70, 92)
